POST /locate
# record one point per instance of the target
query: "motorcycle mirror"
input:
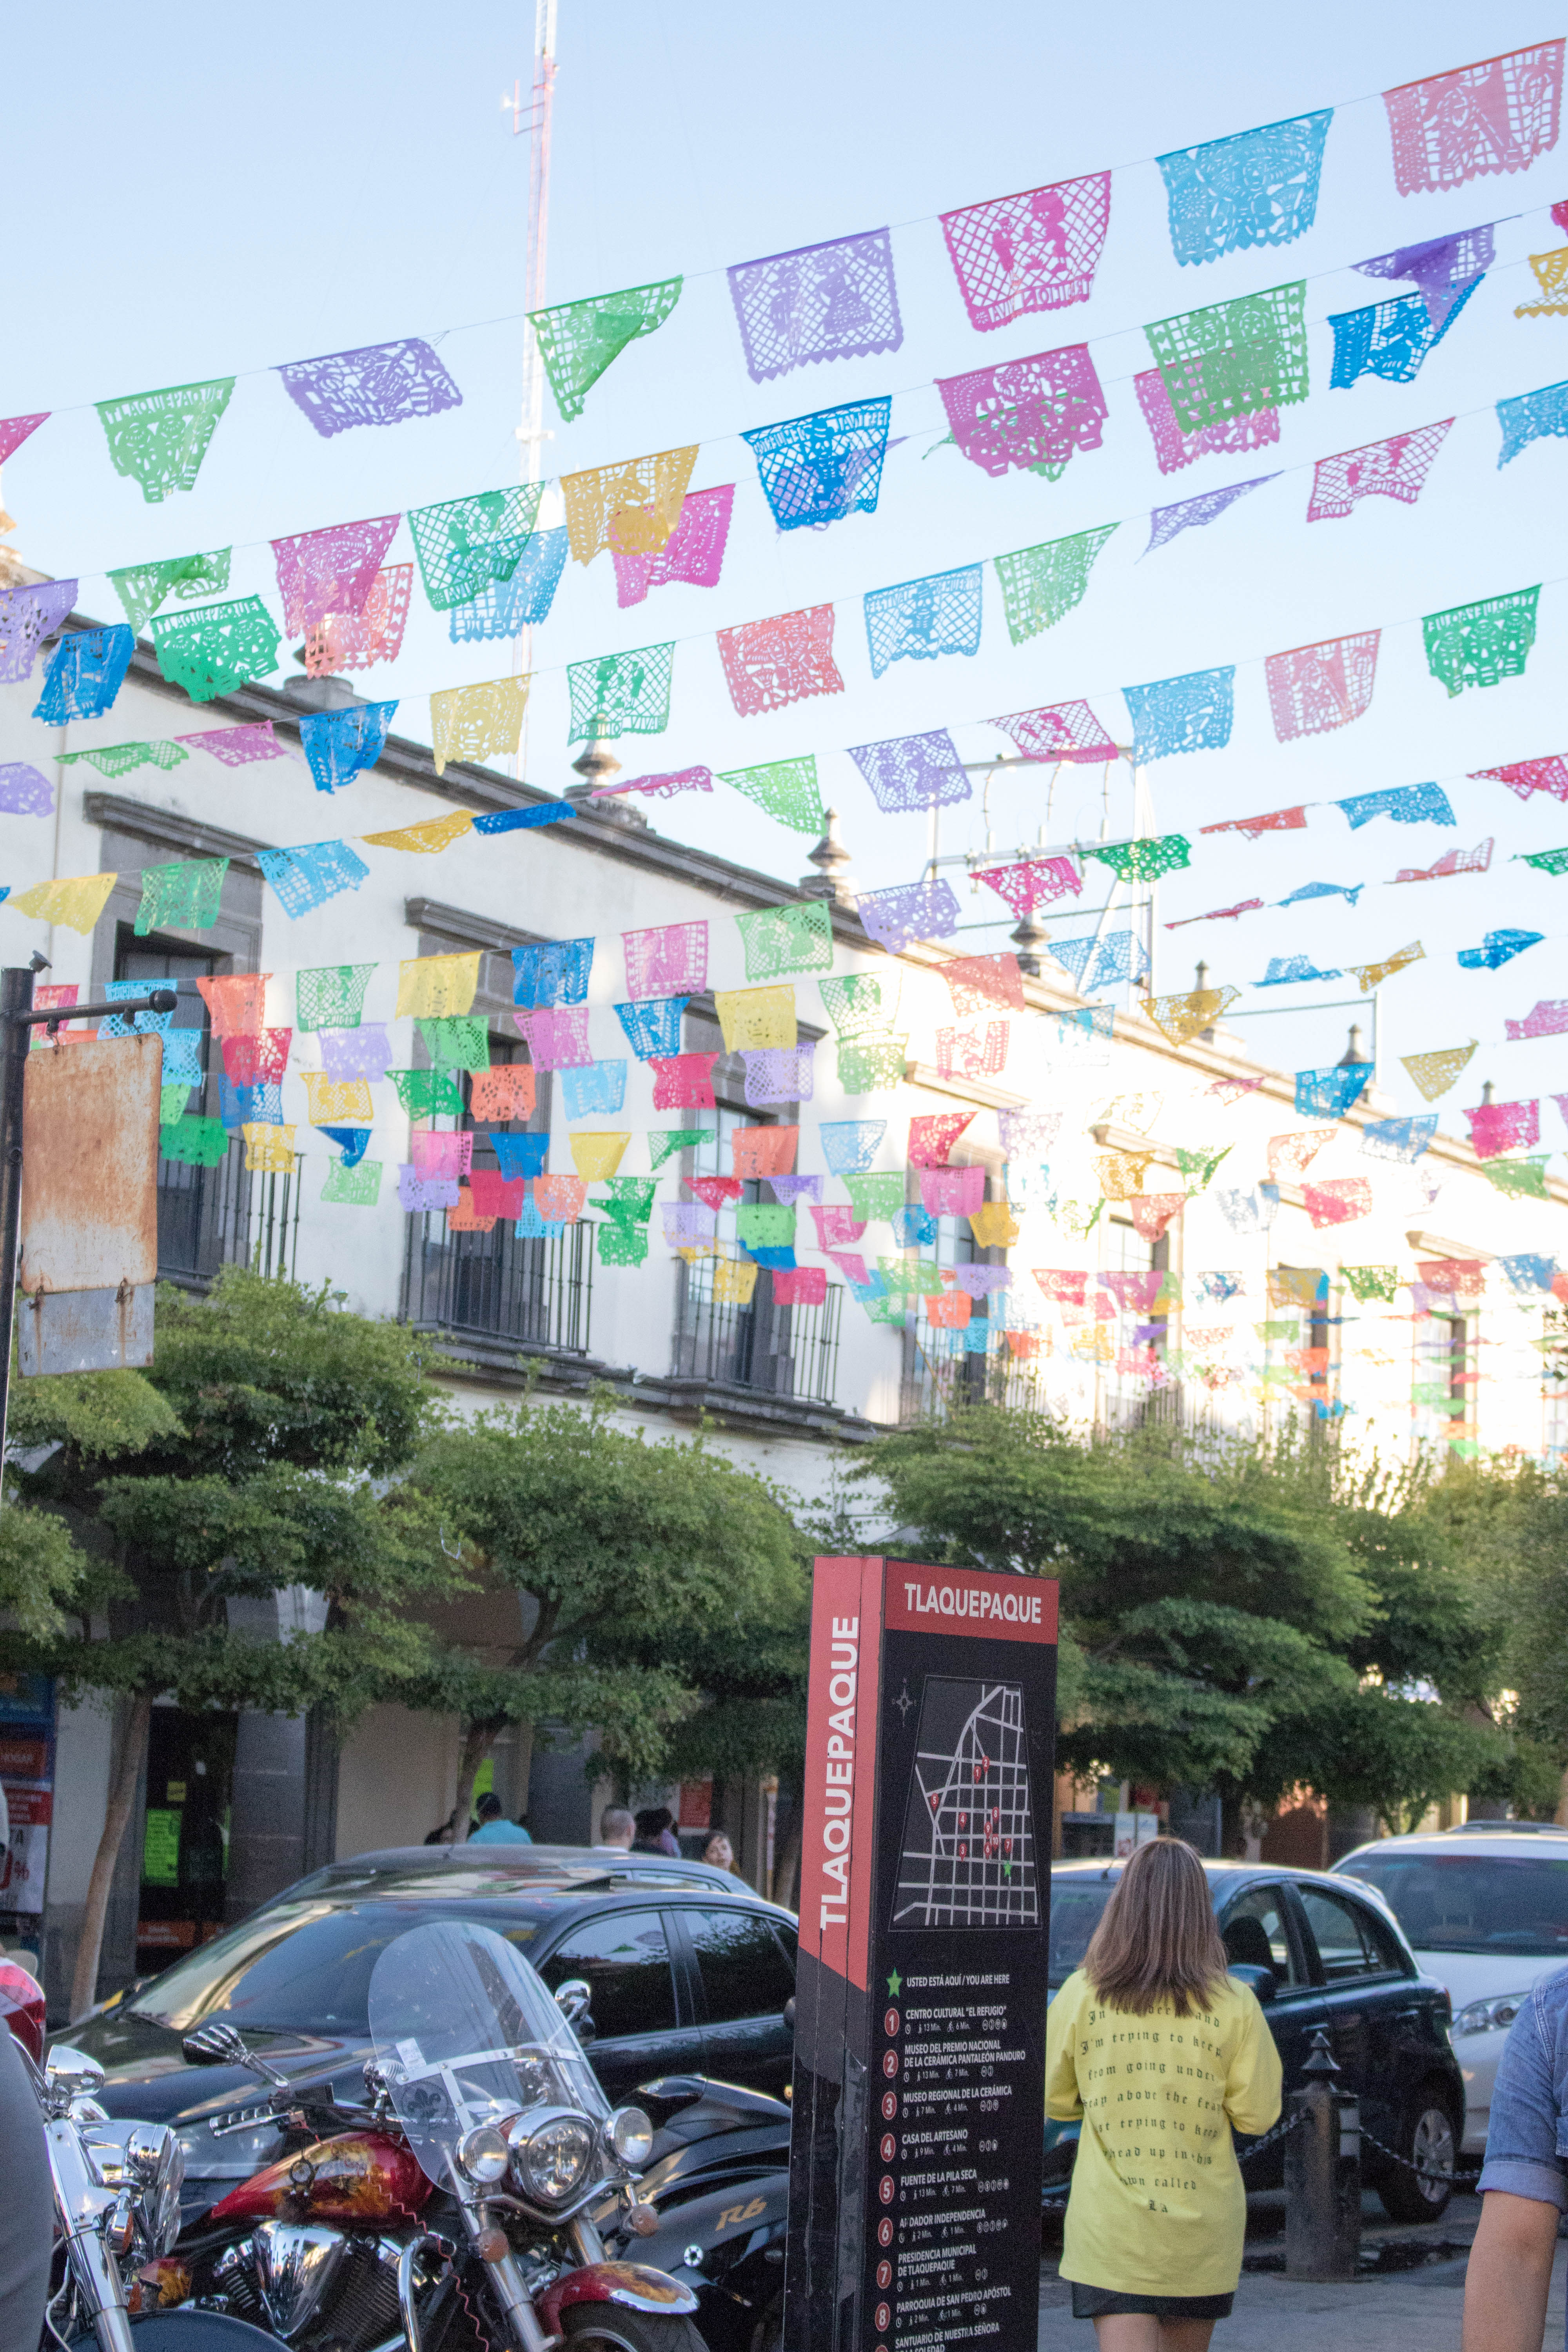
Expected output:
(70, 2074)
(220, 2046)
(574, 1999)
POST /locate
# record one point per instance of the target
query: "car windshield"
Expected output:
(1473, 1903)
(1075, 1906)
(305, 1966)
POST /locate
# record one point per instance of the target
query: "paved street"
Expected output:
(1409, 2311)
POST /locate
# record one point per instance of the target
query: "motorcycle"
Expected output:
(467, 2203)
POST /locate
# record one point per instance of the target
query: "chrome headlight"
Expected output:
(551, 2153)
(629, 2136)
(1493, 2016)
(483, 2153)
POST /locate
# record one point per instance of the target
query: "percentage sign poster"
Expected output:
(924, 1931)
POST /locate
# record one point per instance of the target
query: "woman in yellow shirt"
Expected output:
(1161, 2054)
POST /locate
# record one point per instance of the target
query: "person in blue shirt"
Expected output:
(494, 1829)
(1524, 2184)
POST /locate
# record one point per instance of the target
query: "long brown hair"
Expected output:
(1157, 1937)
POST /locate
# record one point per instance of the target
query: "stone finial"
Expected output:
(832, 879)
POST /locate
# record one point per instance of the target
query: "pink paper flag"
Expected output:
(1503, 1127)
(682, 1081)
(1394, 468)
(933, 1135)
(1549, 1019)
(1218, 914)
(1152, 1212)
(433, 1152)
(800, 1286)
(1059, 731)
(717, 1191)
(952, 1192)
(1289, 820)
(692, 554)
(496, 1196)
(964, 1053)
(1524, 777)
(835, 1226)
(1173, 449)
(1035, 251)
(661, 788)
(1133, 1292)
(1314, 688)
(13, 431)
(851, 1265)
(1496, 116)
(1066, 1283)
(1025, 413)
(1338, 1199)
(668, 959)
(355, 640)
(323, 572)
(788, 658)
(237, 747)
(1455, 861)
(258, 1058)
(1034, 883)
(973, 981)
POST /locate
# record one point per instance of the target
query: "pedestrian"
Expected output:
(618, 1828)
(719, 1853)
(1161, 2055)
(656, 1832)
(1524, 2183)
(444, 1832)
(494, 1829)
(26, 2209)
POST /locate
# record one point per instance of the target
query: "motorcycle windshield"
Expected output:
(464, 2035)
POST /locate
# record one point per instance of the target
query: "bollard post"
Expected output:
(1322, 2175)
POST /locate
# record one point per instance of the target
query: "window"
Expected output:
(1255, 1934)
(744, 1973)
(203, 1213)
(625, 1959)
(1298, 1342)
(1342, 1933)
(1138, 1333)
(1474, 1902)
(1075, 1906)
(1441, 1384)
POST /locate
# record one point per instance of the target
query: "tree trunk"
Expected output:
(1560, 1815)
(523, 1767)
(122, 1797)
(476, 1742)
(787, 1864)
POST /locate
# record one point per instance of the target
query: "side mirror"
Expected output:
(574, 1999)
(789, 2012)
(70, 2074)
(1261, 1981)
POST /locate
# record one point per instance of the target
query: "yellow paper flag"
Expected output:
(1371, 974)
(597, 1153)
(735, 1280)
(1436, 1072)
(633, 505)
(994, 1225)
(77, 903)
(754, 1017)
(1121, 1173)
(268, 1150)
(470, 722)
(1551, 277)
(331, 1102)
(436, 833)
(435, 988)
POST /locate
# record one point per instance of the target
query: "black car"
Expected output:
(690, 1973)
(1318, 1951)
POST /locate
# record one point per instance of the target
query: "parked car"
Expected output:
(690, 1973)
(1486, 1910)
(1317, 1952)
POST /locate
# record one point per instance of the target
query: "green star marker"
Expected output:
(894, 1981)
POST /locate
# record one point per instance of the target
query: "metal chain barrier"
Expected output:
(1456, 2180)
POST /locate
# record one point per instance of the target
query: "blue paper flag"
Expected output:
(653, 1027)
(914, 1228)
(504, 608)
(1258, 188)
(782, 1260)
(1388, 339)
(182, 1057)
(1282, 969)
(1527, 1271)
(141, 1024)
(1398, 1139)
(1406, 804)
(1329, 1093)
(556, 971)
(821, 468)
(86, 672)
(340, 743)
(1193, 713)
(1323, 890)
(921, 618)
(1532, 417)
(1499, 947)
(259, 1106)
(519, 820)
(532, 1227)
(594, 1086)
(1120, 955)
(310, 873)
(849, 1145)
(520, 1155)
(351, 1140)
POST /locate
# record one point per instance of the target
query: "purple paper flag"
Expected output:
(237, 747)
(380, 383)
(1035, 251)
(25, 791)
(415, 1192)
(692, 554)
(665, 787)
(833, 301)
(1166, 523)
(688, 1224)
(1173, 449)
(28, 616)
(1439, 270)
(361, 1053)
(915, 910)
(778, 1073)
(1031, 411)
(557, 1036)
(913, 771)
(322, 572)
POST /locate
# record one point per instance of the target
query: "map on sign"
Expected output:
(968, 1853)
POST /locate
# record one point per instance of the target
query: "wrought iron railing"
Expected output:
(226, 1215)
(787, 1352)
(536, 1293)
(942, 1379)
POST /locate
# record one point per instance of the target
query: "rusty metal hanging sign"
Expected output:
(89, 1204)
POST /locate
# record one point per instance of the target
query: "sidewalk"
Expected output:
(1409, 2311)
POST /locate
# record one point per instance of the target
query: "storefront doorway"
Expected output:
(184, 1844)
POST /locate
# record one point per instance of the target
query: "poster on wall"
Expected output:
(27, 1779)
(915, 2149)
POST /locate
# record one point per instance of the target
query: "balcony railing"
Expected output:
(537, 1293)
(942, 1379)
(786, 1351)
(226, 1215)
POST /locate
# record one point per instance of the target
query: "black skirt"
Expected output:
(1105, 2302)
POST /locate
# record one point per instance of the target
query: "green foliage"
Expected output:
(97, 1415)
(41, 1570)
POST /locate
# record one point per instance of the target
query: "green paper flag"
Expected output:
(210, 651)
(1040, 583)
(664, 1143)
(875, 1196)
(780, 939)
(198, 1142)
(1233, 358)
(332, 996)
(1547, 861)
(1479, 644)
(119, 759)
(464, 545)
(353, 1188)
(461, 1043)
(858, 1002)
(621, 693)
(182, 898)
(142, 587)
(784, 789)
(426, 1093)
(1519, 1177)
(1373, 1281)
(159, 438)
(1144, 861)
(872, 1065)
(622, 1245)
(578, 341)
(630, 1200)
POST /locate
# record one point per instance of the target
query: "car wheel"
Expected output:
(1425, 2138)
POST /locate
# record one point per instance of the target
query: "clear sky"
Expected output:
(192, 198)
